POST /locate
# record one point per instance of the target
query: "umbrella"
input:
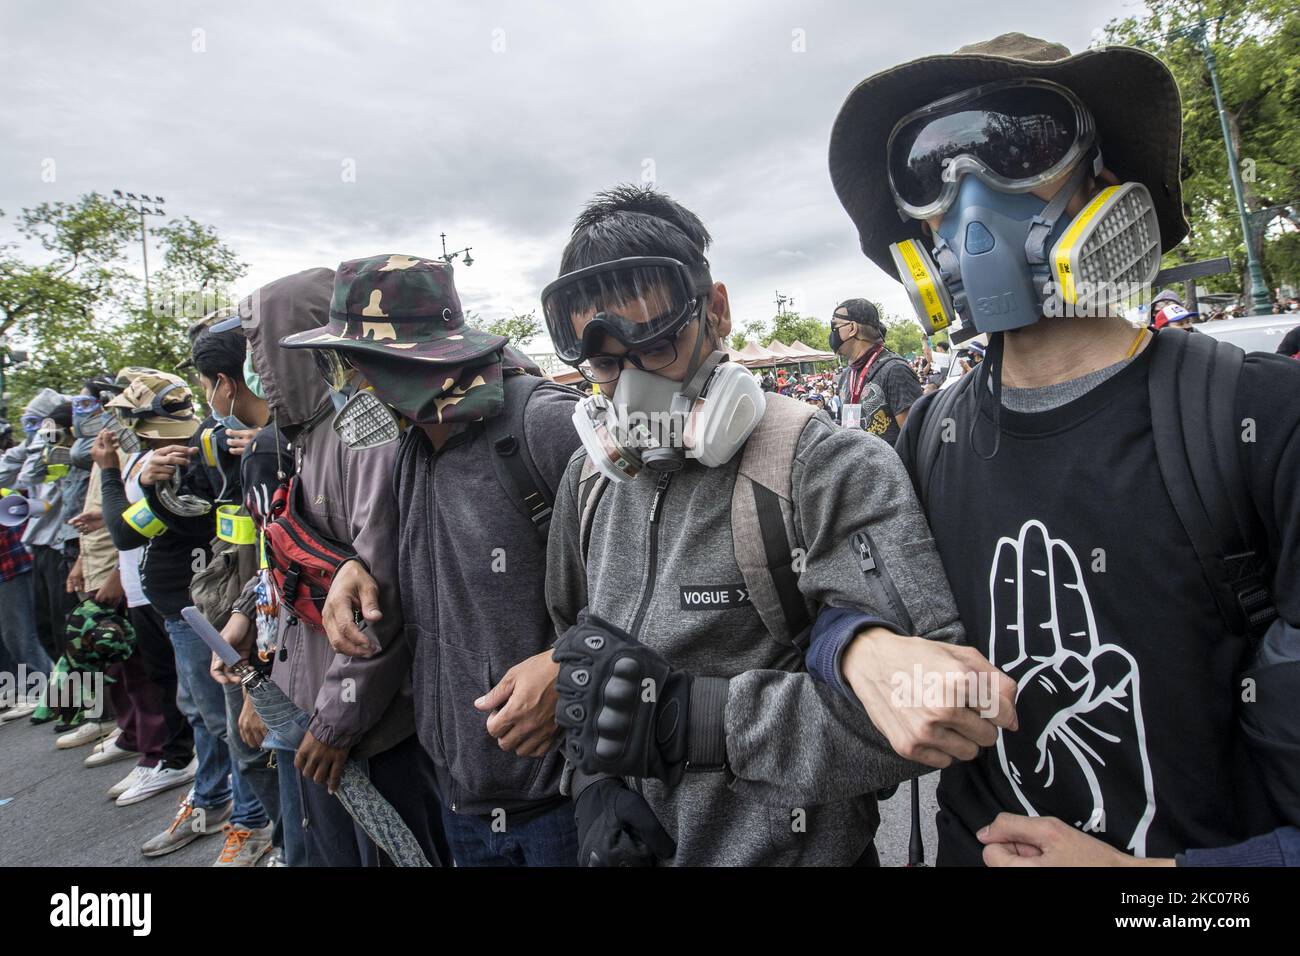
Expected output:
(358, 795)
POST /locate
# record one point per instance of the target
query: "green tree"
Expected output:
(81, 311)
(518, 329)
(755, 329)
(814, 333)
(1254, 42)
(903, 336)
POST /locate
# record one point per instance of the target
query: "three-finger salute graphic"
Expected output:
(1082, 740)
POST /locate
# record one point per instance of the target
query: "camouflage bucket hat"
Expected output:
(97, 638)
(157, 405)
(400, 307)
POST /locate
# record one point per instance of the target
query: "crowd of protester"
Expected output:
(543, 636)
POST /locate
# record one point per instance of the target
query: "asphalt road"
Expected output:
(54, 812)
(59, 815)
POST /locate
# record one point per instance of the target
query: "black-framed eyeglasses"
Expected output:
(603, 369)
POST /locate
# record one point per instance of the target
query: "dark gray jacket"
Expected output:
(472, 573)
(803, 763)
(363, 704)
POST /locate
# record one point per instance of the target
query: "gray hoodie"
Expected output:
(361, 703)
(23, 468)
(803, 763)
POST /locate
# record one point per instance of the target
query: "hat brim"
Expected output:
(1131, 94)
(167, 428)
(465, 345)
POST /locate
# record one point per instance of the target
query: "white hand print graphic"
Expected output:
(1081, 736)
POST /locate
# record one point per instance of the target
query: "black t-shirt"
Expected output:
(890, 389)
(1072, 574)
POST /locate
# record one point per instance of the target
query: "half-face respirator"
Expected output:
(654, 423)
(1002, 258)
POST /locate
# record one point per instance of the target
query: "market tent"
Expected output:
(812, 354)
(753, 355)
(782, 353)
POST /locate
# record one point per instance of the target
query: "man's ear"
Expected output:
(720, 310)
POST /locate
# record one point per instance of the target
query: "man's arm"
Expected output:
(11, 462)
(902, 389)
(341, 720)
(789, 737)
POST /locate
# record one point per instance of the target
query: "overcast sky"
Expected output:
(490, 121)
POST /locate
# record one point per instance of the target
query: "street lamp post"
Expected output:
(137, 205)
(449, 257)
(1258, 287)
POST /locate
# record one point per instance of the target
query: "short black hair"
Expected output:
(941, 346)
(632, 220)
(215, 352)
(61, 414)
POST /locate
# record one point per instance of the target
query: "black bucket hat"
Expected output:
(1131, 94)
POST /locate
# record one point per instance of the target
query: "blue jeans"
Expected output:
(548, 839)
(18, 624)
(203, 702)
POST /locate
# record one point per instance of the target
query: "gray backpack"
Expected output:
(762, 518)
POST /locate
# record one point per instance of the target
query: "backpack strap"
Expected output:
(516, 470)
(762, 519)
(591, 485)
(930, 442)
(1193, 392)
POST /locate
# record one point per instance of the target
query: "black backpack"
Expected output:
(516, 470)
(1193, 389)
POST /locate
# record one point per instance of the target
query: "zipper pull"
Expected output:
(660, 488)
(862, 545)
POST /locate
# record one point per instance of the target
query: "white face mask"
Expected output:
(656, 423)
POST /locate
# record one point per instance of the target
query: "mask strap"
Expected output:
(1045, 221)
(991, 371)
(694, 366)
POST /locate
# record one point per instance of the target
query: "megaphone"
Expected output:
(15, 509)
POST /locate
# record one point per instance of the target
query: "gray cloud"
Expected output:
(492, 122)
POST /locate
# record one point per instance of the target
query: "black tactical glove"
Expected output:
(623, 708)
(616, 827)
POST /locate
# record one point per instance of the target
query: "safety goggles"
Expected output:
(1016, 135)
(31, 423)
(638, 301)
(334, 368)
(85, 405)
(179, 410)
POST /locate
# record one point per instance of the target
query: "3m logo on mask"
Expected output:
(991, 305)
(714, 597)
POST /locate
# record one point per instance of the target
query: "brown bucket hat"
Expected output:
(1131, 94)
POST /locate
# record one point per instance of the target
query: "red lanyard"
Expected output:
(855, 393)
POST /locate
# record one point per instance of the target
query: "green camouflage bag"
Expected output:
(97, 638)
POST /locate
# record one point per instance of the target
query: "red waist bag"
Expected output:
(303, 561)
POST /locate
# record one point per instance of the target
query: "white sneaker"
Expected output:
(109, 752)
(17, 713)
(130, 780)
(159, 779)
(113, 736)
(88, 732)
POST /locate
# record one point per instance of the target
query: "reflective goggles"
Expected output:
(1016, 135)
(83, 405)
(637, 300)
(31, 423)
